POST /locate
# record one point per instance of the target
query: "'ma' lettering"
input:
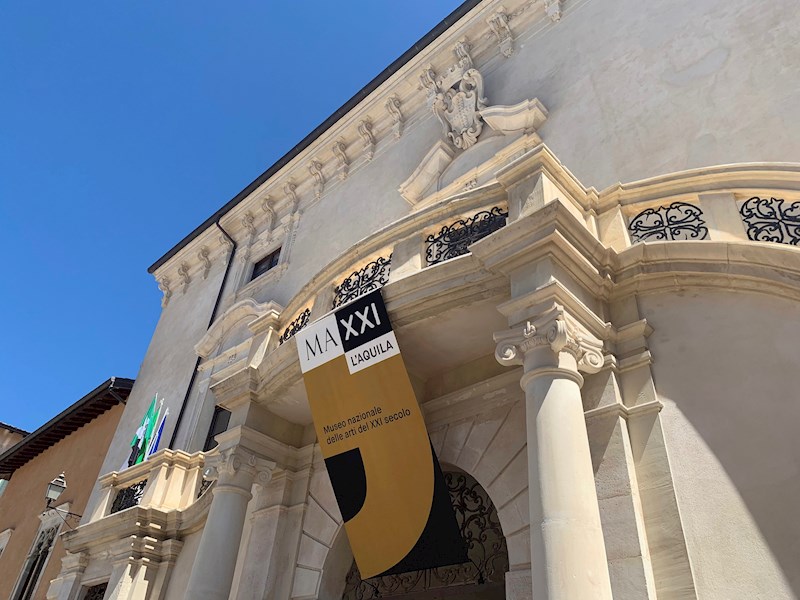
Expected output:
(311, 350)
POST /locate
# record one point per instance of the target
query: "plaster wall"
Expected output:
(632, 92)
(166, 369)
(723, 369)
(79, 455)
(8, 438)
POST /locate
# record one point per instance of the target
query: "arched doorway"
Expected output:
(480, 579)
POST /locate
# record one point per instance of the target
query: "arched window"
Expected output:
(480, 578)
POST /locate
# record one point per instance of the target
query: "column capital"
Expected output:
(555, 330)
(239, 467)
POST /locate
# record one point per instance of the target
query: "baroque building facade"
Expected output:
(584, 218)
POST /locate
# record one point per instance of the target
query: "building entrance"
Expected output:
(482, 578)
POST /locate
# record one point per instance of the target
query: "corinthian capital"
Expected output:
(554, 329)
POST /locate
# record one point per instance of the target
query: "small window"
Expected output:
(265, 264)
(35, 563)
(219, 423)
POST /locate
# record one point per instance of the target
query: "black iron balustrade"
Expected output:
(677, 221)
(454, 239)
(128, 496)
(204, 485)
(486, 547)
(295, 326)
(96, 592)
(370, 277)
(772, 220)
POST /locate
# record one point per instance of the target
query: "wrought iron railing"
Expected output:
(128, 496)
(486, 547)
(96, 592)
(454, 239)
(295, 326)
(677, 221)
(772, 220)
(204, 485)
(370, 277)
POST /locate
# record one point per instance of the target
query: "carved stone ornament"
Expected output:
(163, 285)
(226, 244)
(290, 189)
(249, 223)
(559, 331)
(344, 163)
(183, 272)
(239, 467)
(202, 254)
(457, 98)
(269, 210)
(393, 108)
(553, 10)
(498, 23)
(315, 168)
(365, 131)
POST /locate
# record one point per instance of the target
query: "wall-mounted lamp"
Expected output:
(54, 490)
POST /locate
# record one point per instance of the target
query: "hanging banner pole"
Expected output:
(385, 475)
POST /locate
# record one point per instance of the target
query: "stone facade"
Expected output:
(611, 362)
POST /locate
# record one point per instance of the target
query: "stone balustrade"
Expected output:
(168, 480)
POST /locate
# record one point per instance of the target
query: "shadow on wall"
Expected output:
(726, 369)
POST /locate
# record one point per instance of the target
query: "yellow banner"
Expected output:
(385, 475)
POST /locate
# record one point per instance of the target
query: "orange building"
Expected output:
(73, 443)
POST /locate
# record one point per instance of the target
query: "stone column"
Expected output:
(568, 556)
(215, 562)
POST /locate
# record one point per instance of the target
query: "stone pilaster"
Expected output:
(212, 573)
(568, 555)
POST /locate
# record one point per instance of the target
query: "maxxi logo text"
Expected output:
(369, 318)
(362, 321)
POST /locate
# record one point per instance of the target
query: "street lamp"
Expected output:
(54, 489)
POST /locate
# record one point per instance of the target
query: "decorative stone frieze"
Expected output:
(202, 255)
(269, 211)
(290, 189)
(183, 272)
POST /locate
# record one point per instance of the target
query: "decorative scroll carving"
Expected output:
(555, 329)
(226, 244)
(299, 323)
(553, 10)
(202, 254)
(290, 189)
(678, 221)
(269, 210)
(249, 224)
(372, 276)
(486, 547)
(453, 240)
(365, 131)
(163, 285)
(96, 592)
(393, 108)
(128, 496)
(315, 168)
(770, 220)
(498, 23)
(183, 273)
(344, 163)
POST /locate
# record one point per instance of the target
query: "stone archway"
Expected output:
(480, 579)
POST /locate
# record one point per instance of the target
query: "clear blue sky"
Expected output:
(123, 125)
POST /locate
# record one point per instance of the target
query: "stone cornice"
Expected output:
(488, 32)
